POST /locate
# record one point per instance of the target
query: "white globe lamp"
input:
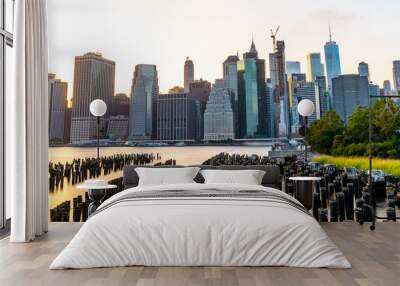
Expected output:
(305, 108)
(98, 108)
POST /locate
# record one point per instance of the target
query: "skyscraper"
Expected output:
(120, 105)
(251, 93)
(307, 90)
(293, 67)
(188, 74)
(332, 60)
(230, 73)
(396, 76)
(94, 78)
(363, 70)
(57, 106)
(322, 96)
(314, 66)
(200, 90)
(176, 117)
(294, 81)
(277, 64)
(142, 114)
(387, 87)
(270, 110)
(219, 115)
(349, 91)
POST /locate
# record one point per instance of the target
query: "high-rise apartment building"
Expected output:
(219, 118)
(363, 70)
(120, 105)
(396, 76)
(177, 117)
(94, 78)
(349, 91)
(58, 91)
(332, 60)
(277, 65)
(188, 74)
(142, 114)
(314, 66)
(293, 67)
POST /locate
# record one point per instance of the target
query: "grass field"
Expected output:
(389, 166)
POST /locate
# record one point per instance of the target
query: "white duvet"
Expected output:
(202, 232)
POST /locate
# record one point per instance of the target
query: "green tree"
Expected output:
(322, 132)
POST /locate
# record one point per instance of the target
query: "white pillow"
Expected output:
(166, 176)
(247, 177)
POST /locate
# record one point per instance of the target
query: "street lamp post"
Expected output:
(98, 108)
(305, 108)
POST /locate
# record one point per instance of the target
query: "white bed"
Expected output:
(200, 231)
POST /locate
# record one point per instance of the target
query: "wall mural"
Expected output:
(158, 108)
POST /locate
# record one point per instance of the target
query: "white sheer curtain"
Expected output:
(27, 123)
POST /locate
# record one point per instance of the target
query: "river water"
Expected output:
(185, 155)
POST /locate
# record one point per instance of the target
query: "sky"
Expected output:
(164, 32)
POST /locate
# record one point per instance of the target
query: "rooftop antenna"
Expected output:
(330, 31)
(273, 36)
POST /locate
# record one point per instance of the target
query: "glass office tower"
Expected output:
(332, 61)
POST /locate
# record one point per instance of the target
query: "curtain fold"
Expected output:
(27, 123)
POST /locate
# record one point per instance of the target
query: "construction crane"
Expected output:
(273, 36)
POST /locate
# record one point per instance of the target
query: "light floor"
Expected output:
(375, 257)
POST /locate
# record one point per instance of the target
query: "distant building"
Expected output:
(176, 89)
(349, 91)
(188, 74)
(67, 125)
(142, 114)
(332, 60)
(277, 65)
(177, 116)
(219, 115)
(374, 90)
(199, 90)
(314, 66)
(322, 96)
(230, 73)
(251, 99)
(363, 70)
(387, 88)
(94, 78)
(118, 127)
(307, 90)
(270, 110)
(120, 105)
(293, 67)
(254, 115)
(294, 81)
(58, 91)
(396, 76)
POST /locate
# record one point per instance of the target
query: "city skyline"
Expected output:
(220, 36)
